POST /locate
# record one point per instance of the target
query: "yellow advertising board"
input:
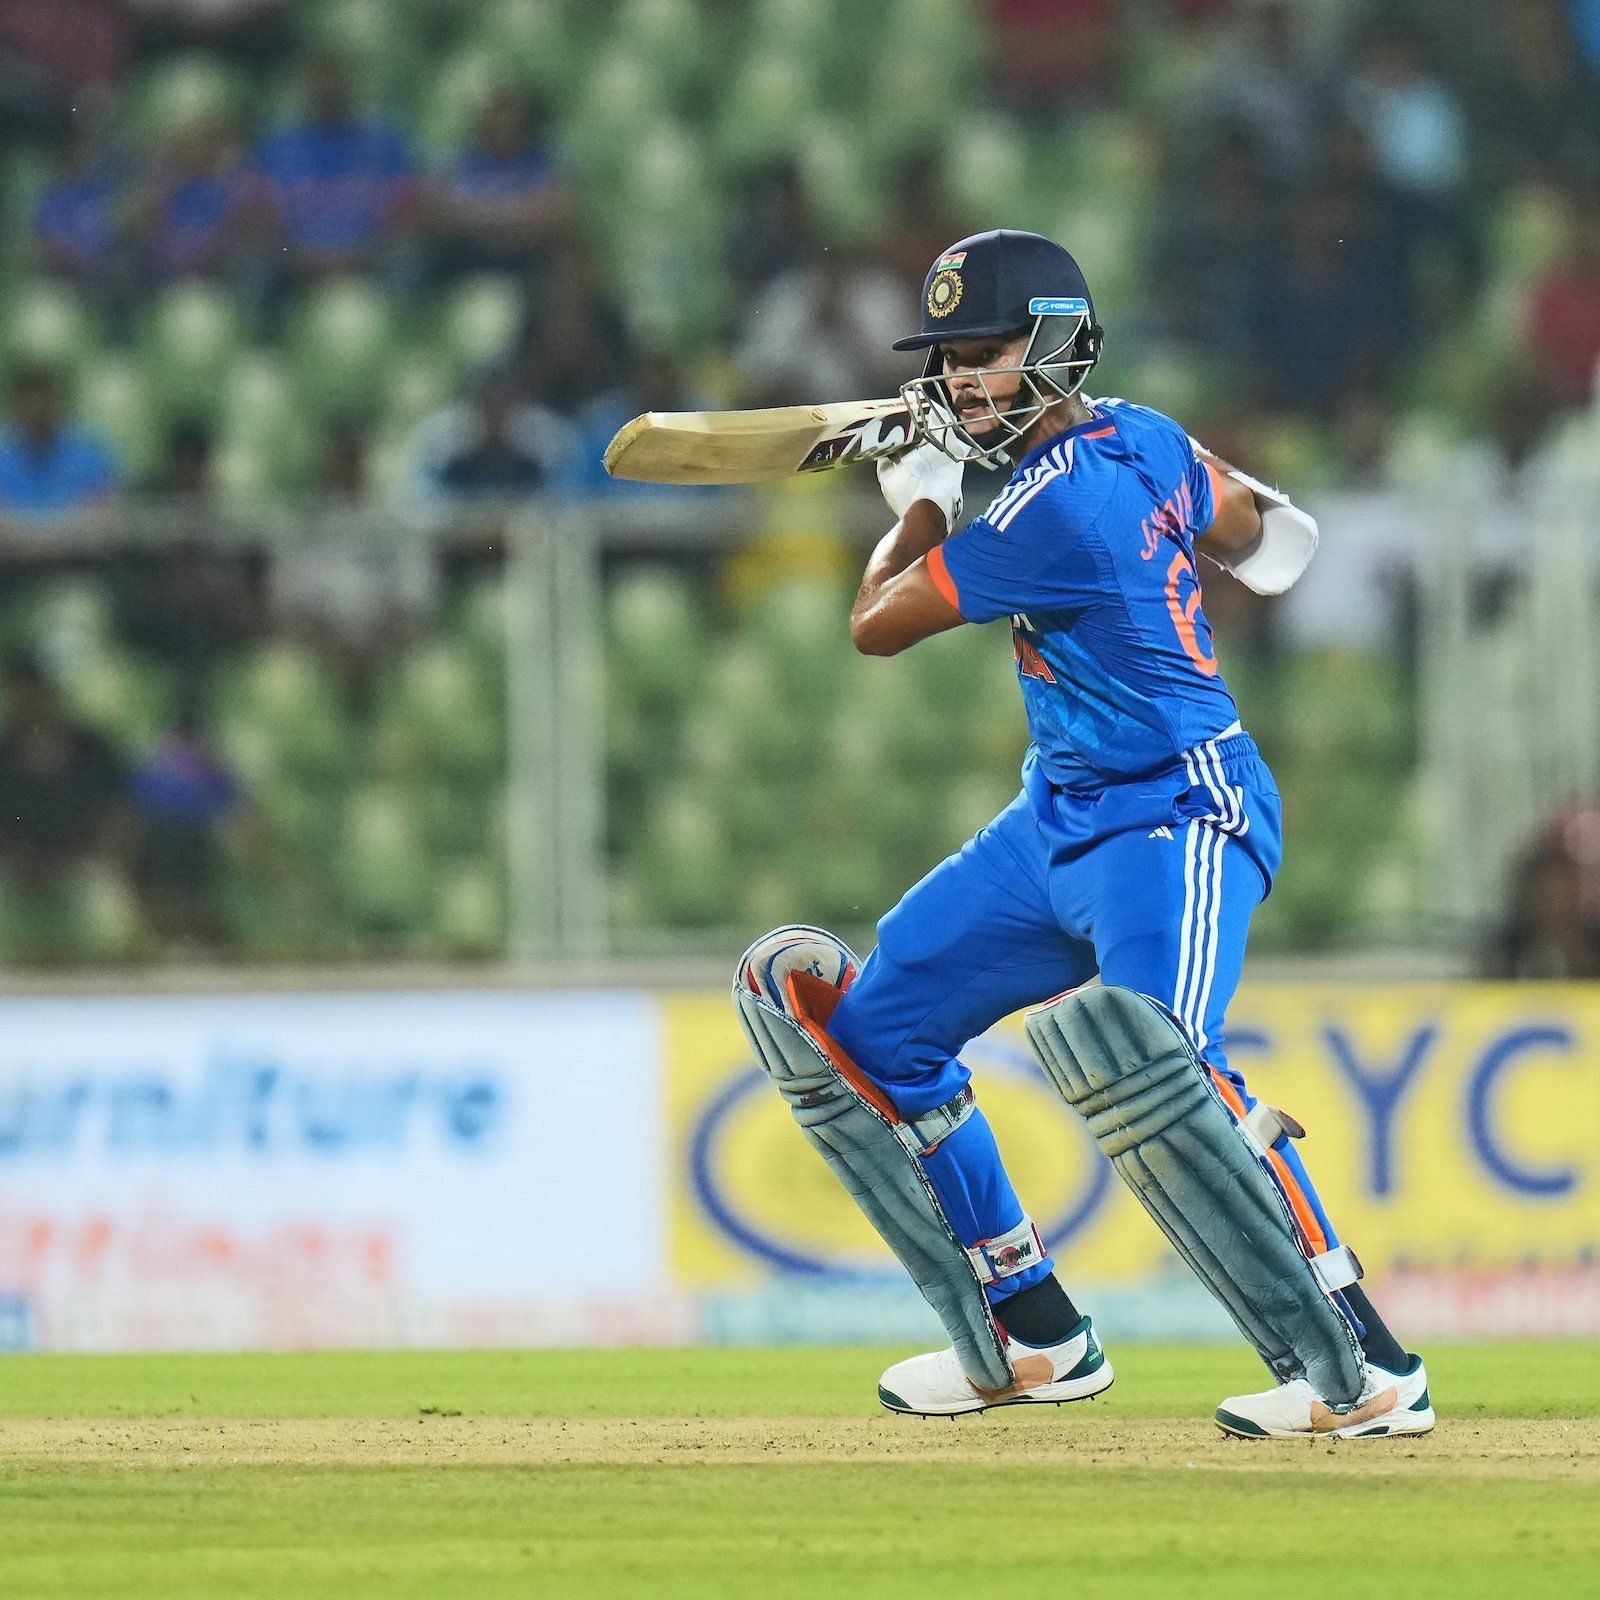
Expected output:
(1450, 1126)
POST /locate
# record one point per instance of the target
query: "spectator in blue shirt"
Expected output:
(50, 466)
(338, 190)
(495, 448)
(188, 209)
(75, 220)
(182, 797)
(504, 200)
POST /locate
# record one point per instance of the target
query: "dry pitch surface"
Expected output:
(732, 1473)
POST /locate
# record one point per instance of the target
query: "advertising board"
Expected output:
(354, 1169)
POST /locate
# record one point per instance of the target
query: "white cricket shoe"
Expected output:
(935, 1386)
(1390, 1403)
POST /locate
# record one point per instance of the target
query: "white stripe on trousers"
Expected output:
(1204, 767)
(1198, 935)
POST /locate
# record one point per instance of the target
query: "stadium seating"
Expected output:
(756, 769)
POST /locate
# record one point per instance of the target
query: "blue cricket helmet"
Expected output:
(996, 282)
(1002, 282)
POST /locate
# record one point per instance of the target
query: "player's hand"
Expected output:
(923, 473)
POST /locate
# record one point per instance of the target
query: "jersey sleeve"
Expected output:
(1030, 558)
(1199, 473)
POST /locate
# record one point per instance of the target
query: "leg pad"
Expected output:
(875, 1155)
(1124, 1064)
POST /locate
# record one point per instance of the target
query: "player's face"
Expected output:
(975, 376)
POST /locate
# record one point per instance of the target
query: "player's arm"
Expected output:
(1235, 528)
(898, 602)
(1257, 533)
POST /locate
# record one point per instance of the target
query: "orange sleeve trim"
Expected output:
(1100, 433)
(939, 571)
(1216, 489)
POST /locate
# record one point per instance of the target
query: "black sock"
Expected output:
(1381, 1347)
(1039, 1315)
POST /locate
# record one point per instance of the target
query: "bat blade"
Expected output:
(705, 447)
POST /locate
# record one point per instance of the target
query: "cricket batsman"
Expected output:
(1146, 832)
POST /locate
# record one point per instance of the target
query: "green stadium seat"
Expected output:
(109, 917)
(909, 99)
(286, 690)
(341, 340)
(675, 290)
(128, 699)
(479, 323)
(771, 102)
(1527, 230)
(686, 876)
(115, 397)
(987, 173)
(655, 635)
(469, 920)
(611, 119)
(539, 42)
(49, 322)
(803, 631)
(419, 381)
(89, 918)
(71, 617)
(813, 35)
(177, 91)
(435, 699)
(843, 178)
(455, 94)
(383, 40)
(383, 873)
(673, 35)
(264, 437)
(191, 343)
(476, 621)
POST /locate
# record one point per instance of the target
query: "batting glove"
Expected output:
(925, 473)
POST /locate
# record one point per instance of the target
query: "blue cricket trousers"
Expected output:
(1150, 883)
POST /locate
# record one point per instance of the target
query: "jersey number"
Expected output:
(1184, 607)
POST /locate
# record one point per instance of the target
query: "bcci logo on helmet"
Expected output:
(944, 293)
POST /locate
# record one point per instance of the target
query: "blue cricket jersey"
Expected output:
(1089, 549)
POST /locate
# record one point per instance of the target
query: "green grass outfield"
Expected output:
(713, 1473)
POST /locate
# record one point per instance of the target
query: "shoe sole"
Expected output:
(1409, 1422)
(1047, 1394)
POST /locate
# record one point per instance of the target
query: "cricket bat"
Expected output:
(756, 446)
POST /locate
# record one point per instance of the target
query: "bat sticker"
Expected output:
(861, 441)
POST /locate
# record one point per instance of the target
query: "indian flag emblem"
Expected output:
(950, 261)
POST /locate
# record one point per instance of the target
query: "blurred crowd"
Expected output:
(1327, 235)
(1330, 215)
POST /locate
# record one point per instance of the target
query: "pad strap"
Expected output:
(1337, 1268)
(923, 1135)
(1011, 1253)
(1265, 1125)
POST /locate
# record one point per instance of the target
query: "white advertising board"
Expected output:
(346, 1169)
